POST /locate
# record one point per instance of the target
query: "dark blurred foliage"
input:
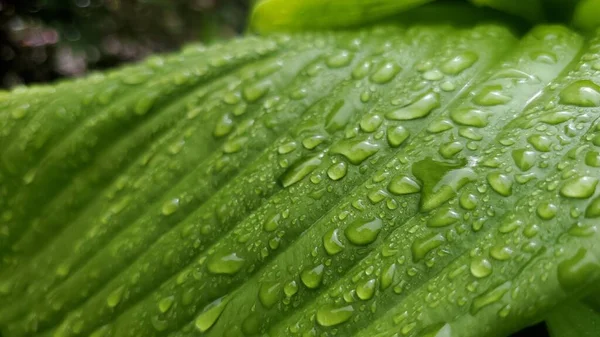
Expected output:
(41, 40)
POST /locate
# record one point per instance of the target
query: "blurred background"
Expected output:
(42, 40)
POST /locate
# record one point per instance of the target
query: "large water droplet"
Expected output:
(459, 63)
(313, 277)
(370, 123)
(385, 73)
(224, 126)
(490, 297)
(579, 188)
(420, 108)
(540, 143)
(470, 117)
(445, 216)
(557, 117)
(300, 169)
(583, 93)
(355, 150)
(491, 96)
(269, 293)
(340, 59)
(546, 210)
(500, 183)
(422, 246)
(210, 314)
(440, 181)
(524, 159)
(255, 91)
(330, 315)
(593, 209)
(387, 276)
(501, 252)
(339, 115)
(481, 267)
(362, 232)
(402, 185)
(227, 263)
(332, 242)
(396, 136)
(115, 297)
(337, 171)
(166, 303)
(366, 290)
(170, 207)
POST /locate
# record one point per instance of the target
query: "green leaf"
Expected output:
(574, 319)
(422, 180)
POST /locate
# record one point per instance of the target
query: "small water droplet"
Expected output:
(501, 252)
(115, 297)
(337, 171)
(546, 210)
(370, 123)
(170, 206)
(224, 126)
(255, 91)
(339, 59)
(165, 304)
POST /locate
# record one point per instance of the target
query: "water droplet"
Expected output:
(287, 147)
(20, 112)
(272, 224)
(385, 73)
(501, 252)
(422, 246)
(460, 63)
(145, 104)
(339, 115)
(115, 297)
(593, 209)
(557, 117)
(445, 216)
(290, 289)
(440, 181)
(340, 59)
(583, 93)
(362, 233)
(433, 75)
(370, 123)
(490, 297)
(420, 108)
(361, 70)
(481, 267)
(337, 171)
(312, 142)
(170, 207)
(491, 96)
(224, 126)
(546, 210)
(579, 188)
(524, 159)
(387, 276)
(269, 293)
(468, 201)
(355, 150)
(300, 169)
(451, 149)
(470, 117)
(397, 135)
(540, 143)
(165, 304)
(225, 263)
(313, 277)
(210, 314)
(402, 185)
(582, 230)
(366, 290)
(255, 91)
(592, 159)
(500, 183)
(332, 243)
(577, 271)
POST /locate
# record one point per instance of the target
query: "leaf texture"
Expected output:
(422, 180)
